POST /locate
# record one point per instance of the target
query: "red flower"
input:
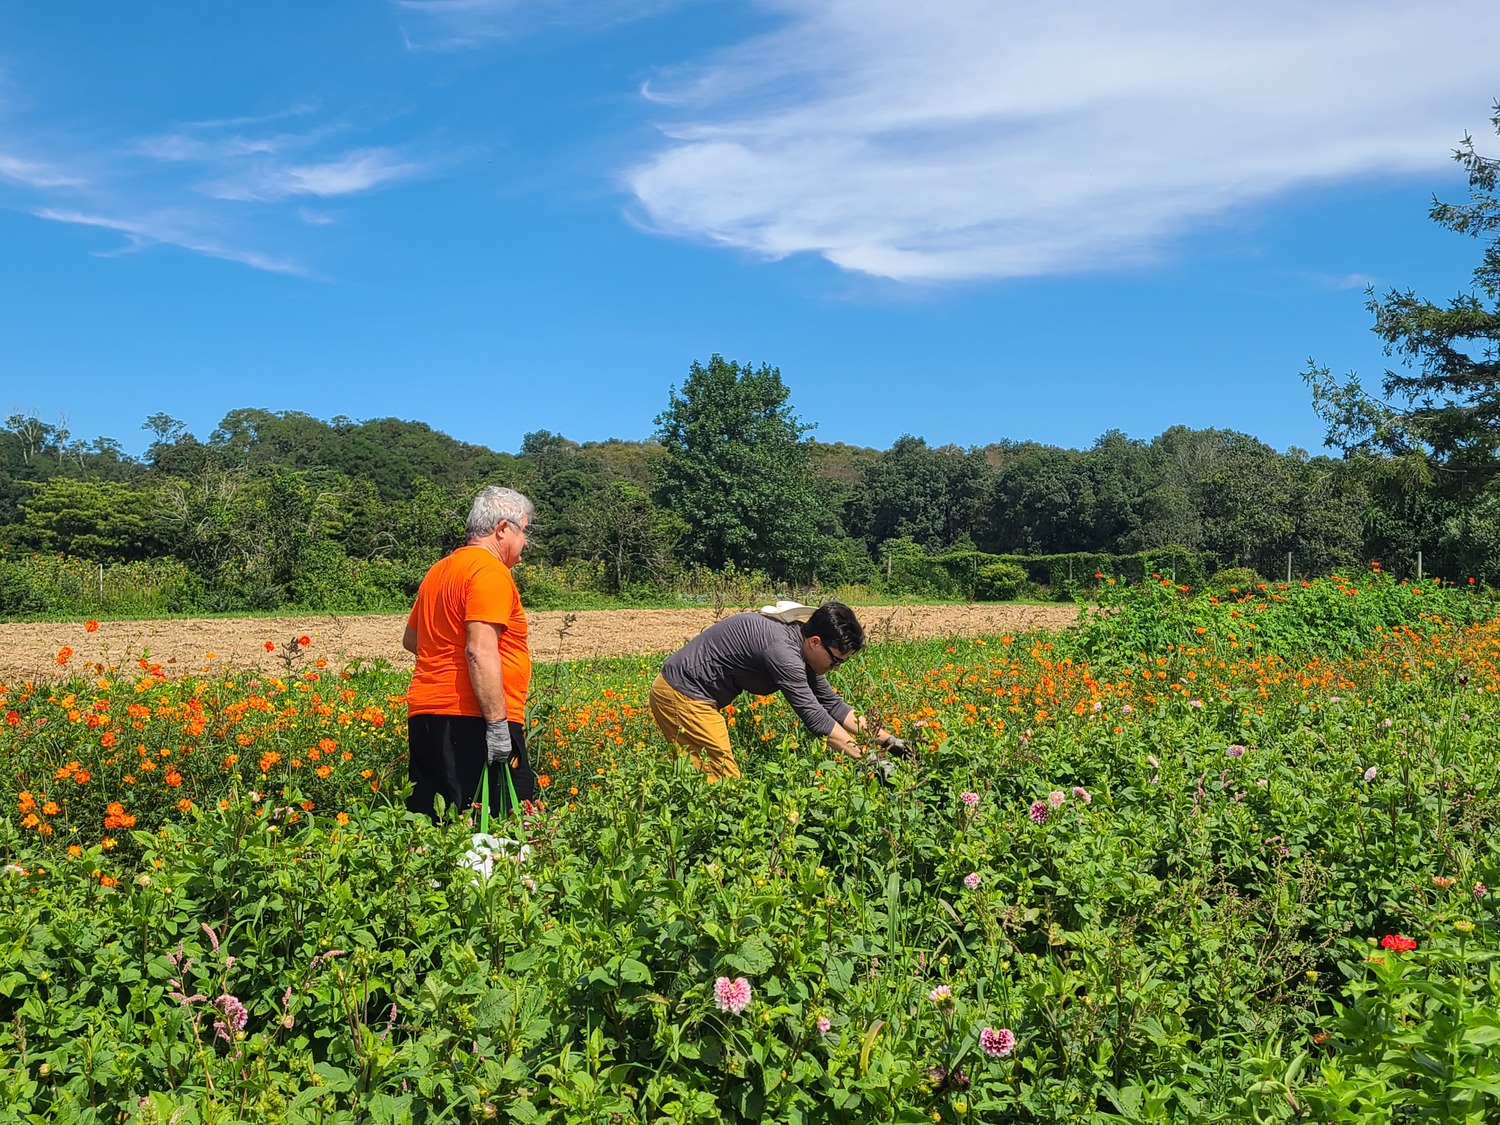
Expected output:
(270, 646)
(1399, 942)
(304, 640)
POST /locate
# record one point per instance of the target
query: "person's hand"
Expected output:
(497, 741)
(892, 745)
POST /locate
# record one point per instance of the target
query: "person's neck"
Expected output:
(486, 544)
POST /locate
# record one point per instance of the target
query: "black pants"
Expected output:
(447, 756)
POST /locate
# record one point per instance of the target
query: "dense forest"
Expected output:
(281, 509)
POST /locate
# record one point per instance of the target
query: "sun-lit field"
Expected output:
(1195, 859)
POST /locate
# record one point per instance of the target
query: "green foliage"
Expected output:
(1165, 886)
(734, 471)
(1000, 582)
(1234, 580)
(1440, 409)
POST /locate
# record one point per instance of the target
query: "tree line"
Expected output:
(278, 508)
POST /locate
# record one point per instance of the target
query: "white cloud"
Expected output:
(349, 174)
(217, 188)
(988, 138)
(458, 24)
(30, 173)
(165, 230)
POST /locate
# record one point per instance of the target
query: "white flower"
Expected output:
(486, 849)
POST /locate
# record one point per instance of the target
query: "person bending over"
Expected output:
(760, 653)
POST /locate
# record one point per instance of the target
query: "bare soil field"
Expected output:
(186, 645)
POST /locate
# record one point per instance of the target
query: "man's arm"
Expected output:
(483, 652)
(855, 724)
(409, 640)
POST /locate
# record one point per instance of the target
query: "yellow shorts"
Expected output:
(697, 725)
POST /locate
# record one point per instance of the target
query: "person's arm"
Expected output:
(855, 724)
(409, 640)
(483, 652)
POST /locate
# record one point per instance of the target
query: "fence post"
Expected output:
(1289, 568)
(101, 586)
(1419, 566)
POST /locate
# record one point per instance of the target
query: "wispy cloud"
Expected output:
(351, 173)
(989, 138)
(217, 188)
(457, 24)
(172, 231)
(33, 174)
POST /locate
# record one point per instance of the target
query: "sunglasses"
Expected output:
(834, 660)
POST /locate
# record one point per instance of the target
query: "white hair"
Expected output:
(494, 505)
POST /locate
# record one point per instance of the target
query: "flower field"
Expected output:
(1195, 859)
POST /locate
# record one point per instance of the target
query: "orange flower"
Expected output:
(304, 641)
(50, 809)
(544, 781)
(91, 626)
(107, 843)
(64, 655)
(270, 646)
(74, 850)
(82, 777)
(184, 805)
(342, 818)
(173, 779)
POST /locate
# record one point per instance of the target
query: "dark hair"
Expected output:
(835, 625)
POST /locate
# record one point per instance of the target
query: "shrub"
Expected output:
(1237, 578)
(999, 582)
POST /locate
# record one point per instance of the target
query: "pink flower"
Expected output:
(1082, 794)
(1195, 704)
(1480, 890)
(1152, 762)
(233, 1016)
(824, 1023)
(970, 798)
(942, 994)
(1056, 798)
(1128, 709)
(997, 1044)
(971, 880)
(1039, 812)
(1370, 773)
(1235, 751)
(732, 996)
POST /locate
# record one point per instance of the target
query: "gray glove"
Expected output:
(891, 744)
(497, 741)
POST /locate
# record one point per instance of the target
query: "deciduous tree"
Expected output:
(735, 471)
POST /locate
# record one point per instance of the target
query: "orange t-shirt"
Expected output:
(469, 585)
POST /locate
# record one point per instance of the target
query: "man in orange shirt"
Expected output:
(466, 706)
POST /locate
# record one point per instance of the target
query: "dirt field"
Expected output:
(29, 651)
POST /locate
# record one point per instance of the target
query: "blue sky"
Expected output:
(964, 219)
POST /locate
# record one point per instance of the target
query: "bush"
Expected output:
(999, 582)
(1240, 579)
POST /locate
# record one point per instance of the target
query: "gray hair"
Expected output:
(496, 504)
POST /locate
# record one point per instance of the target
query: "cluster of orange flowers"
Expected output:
(132, 748)
(114, 751)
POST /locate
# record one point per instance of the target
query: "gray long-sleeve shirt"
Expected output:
(752, 652)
